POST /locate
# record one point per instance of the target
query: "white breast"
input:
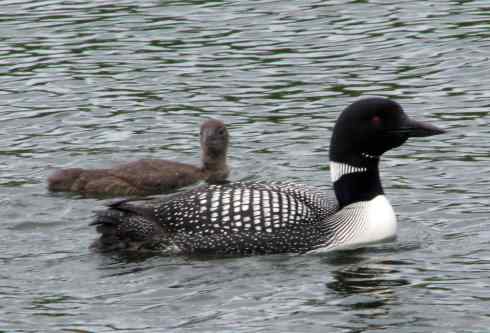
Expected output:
(361, 223)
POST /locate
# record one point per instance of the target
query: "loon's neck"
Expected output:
(214, 163)
(356, 179)
(215, 167)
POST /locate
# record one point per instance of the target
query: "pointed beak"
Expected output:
(414, 128)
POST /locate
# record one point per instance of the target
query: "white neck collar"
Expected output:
(338, 170)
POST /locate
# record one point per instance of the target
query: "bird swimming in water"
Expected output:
(151, 176)
(260, 218)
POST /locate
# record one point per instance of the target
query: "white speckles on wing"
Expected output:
(253, 216)
(226, 196)
(266, 201)
(215, 201)
(246, 196)
(274, 199)
(267, 213)
(256, 198)
(237, 199)
(276, 220)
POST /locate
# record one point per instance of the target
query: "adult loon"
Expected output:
(151, 176)
(258, 218)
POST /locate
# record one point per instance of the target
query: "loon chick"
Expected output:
(258, 218)
(146, 177)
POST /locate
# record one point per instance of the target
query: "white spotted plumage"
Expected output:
(278, 208)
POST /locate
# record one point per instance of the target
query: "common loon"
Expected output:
(259, 218)
(151, 176)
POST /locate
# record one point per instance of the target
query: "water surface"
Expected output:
(93, 83)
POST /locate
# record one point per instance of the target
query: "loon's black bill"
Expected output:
(414, 128)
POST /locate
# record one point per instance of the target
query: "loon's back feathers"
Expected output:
(241, 218)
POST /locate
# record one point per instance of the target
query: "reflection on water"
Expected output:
(93, 83)
(375, 280)
(364, 282)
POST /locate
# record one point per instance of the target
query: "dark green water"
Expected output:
(92, 83)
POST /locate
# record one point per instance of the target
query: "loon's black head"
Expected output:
(214, 137)
(369, 127)
(363, 132)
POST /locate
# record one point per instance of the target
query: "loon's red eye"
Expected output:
(376, 120)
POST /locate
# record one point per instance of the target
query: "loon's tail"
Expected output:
(125, 227)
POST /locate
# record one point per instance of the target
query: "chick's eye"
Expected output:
(376, 120)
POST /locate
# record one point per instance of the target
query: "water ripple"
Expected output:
(92, 83)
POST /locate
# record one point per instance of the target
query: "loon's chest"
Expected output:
(361, 223)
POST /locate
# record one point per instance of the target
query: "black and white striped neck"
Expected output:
(356, 179)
